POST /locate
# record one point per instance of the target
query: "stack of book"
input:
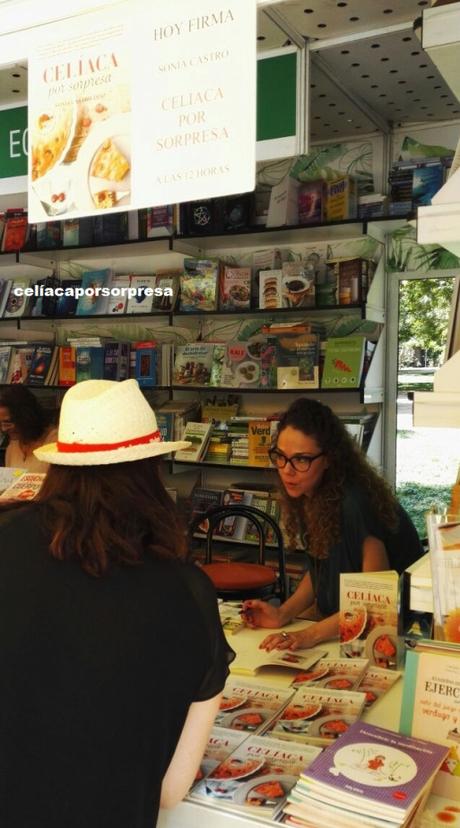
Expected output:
(370, 777)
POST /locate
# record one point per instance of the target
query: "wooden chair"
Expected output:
(236, 580)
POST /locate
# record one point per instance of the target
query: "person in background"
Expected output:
(340, 511)
(27, 425)
(112, 656)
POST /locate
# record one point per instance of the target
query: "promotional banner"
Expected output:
(141, 106)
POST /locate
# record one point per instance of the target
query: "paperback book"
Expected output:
(368, 619)
(17, 305)
(270, 289)
(235, 288)
(166, 291)
(334, 674)
(250, 707)
(260, 438)
(298, 286)
(19, 364)
(118, 298)
(41, 361)
(198, 435)
(371, 772)
(317, 716)
(343, 362)
(256, 778)
(297, 361)
(234, 526)
(24, 487)
(94, 303)
(221, 743)
(146, 370)
(193, 363)
(242, 364)
(199, 286)
(144, 286)
(230, 617)
(8, 476)
(431, 707)
(202, 501)
(5, 355)
(248, 663)
(376, 682)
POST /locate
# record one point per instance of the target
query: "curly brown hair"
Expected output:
(320, 515)
(106, 515)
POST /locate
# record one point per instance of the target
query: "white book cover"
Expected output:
(24, 487)
(117, 304)
(142, 302)
(16, 306)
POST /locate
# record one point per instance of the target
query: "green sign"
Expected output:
(13, 142)
(276, 96)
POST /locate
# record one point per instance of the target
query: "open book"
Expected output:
(248, 662)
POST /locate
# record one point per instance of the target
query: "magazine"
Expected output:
(368, 620)
(256, 777)
(375, 683)
(24, 487)
(250, 707)
(317, 716)
(363, 770)
(335, 674)
(249, 663)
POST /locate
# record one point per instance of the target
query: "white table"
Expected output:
(385, 713)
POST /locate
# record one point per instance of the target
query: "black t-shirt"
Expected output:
(96, 678)
(358, 522)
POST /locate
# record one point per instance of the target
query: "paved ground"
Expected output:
(430, 456)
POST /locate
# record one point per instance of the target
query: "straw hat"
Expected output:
(105, 422)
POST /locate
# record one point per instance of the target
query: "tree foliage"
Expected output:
(424, 308)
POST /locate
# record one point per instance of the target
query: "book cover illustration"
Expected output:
(260, 437)
(374, 771)
(250, 707)
(118, 299)
(66, 305)
(234, 526)
(5, 288)
(335, 674)
(16, 305)
(431, 708)
(376, 682)
(41, 361)
(67, 366)
(193, 363)
(256, 777)
(197, 434)
(166, 291)
(297, 360)
(94, 302)
(202, 501)
(220, 745)
(146, 364)
(116, 361)
(242, 364)
(19, 365)
(230, 617)
(317, 716)
(89, 362)
(440, 811)
(343, 362)
(247, 663)
(298, 286)
(235, 288)
(199, 286)
(368, 619)
(142, 302)
(270, 289)
(5, 355)
(24, 487)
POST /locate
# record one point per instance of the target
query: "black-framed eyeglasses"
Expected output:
(299, 462)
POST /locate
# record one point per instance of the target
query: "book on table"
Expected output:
(317, 716)
(375, 682)
(248, 663)
(431, 706)
(24, 487)
(256, 778)
(230, 617)
(370, 774)
(333, 673)
(368, 619)
(248, 707)
(221, 743)
(8, 476)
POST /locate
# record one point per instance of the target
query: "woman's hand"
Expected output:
(260, 614)
(299, 640)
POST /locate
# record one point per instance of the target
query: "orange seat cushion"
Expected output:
(239, 575)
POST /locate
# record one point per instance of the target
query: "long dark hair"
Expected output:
(109, 514)
(320, 515)
(26, 412)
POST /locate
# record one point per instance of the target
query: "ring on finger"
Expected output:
(285, 635)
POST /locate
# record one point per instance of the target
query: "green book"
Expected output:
(343, 362)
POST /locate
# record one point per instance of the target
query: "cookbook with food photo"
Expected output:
(368, 620)
(250, 707)
(317, 716)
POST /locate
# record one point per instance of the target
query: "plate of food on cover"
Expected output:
(52, 130)
(382, 646)
(339, 682)
(265, 791)
(232, 769)
(332, 726)
(247, 372)
(311, 675)
(231, 703)
(248, 720)
(352, 624)
(105, 164)
(294, 712)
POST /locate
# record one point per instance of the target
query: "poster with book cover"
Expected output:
(242, 365)
(250, 707)
(193, 363)
(376, 682)
(221, 743)
(317, 716)
(374, 772)
(431, 708)
(368, 619)
(257, 777)
(333, 673)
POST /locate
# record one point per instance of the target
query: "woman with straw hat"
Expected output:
(112, 657)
